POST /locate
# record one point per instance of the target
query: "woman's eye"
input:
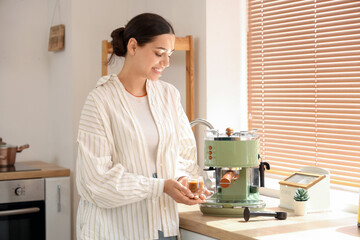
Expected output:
(157, 54)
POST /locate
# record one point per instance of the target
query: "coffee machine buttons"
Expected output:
(210, 153)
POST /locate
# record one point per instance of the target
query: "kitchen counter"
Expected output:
(325, 225)
(38, 170)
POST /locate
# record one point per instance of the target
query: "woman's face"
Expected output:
(152, 58)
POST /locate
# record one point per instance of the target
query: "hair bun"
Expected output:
(119, 47)
(118, 32)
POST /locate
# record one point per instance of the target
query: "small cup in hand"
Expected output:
(195, 184)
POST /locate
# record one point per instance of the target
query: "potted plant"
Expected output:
(301, 196)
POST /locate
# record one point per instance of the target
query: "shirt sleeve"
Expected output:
(98, 179)
(186, 164)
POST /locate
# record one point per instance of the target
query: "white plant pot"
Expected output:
(300, 208)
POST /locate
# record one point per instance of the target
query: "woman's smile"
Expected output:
(158, 70)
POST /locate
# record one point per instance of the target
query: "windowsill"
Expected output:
(341, 198)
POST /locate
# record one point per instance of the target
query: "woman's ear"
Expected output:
(132, 45)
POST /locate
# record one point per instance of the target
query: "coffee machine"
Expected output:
(237, 173)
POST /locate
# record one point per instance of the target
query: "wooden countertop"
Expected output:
(325, 225)
(40, 170)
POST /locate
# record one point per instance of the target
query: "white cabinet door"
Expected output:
(188, 235)
(57, 208)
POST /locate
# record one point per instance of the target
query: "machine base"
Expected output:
(230, 209)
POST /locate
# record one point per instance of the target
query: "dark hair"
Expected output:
(144, 28)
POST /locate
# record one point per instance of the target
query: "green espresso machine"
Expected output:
(234, 161)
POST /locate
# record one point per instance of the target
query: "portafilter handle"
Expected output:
(277, 215)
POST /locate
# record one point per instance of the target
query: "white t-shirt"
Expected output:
(143, 114)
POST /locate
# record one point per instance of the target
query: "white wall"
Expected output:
(42, 93)
(223, 69)
(24, 82)
(61, 91)
(224, 101)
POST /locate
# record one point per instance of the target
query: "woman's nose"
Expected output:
(165, 62)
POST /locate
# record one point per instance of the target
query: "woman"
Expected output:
(135, 142)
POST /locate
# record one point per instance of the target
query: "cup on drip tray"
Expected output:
(195, 184)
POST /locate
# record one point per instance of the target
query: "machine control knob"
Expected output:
(210, 152)
(210, 147)
(210, 157)
(229, 131)
(18, 191)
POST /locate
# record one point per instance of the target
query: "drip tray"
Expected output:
(214, 200)
(230, 209)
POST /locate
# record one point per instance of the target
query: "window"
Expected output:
(304, 85)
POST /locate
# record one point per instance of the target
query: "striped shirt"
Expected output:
(119, 197)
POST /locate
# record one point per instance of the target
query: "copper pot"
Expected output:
(8, 154)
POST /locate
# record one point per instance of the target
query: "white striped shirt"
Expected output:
(119, 197)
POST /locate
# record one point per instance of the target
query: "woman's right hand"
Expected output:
(180, 193)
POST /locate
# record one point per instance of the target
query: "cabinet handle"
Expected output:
(58, 198)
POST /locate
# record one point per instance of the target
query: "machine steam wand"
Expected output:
(211, 127)
(201, 121)
(262, 167)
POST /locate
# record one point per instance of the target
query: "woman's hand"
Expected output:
(180, 193)
(201, 194)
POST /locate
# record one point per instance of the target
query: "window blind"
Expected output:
(304, 85)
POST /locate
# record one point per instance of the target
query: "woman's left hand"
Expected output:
(199, 194)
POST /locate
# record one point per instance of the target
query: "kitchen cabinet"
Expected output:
(57, 194)
(189, 235)
(58, 208)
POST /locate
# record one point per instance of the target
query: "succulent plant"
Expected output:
(301, 195)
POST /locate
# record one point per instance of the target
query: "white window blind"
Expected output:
(304, 85)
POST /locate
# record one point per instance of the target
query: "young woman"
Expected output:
(135, 142)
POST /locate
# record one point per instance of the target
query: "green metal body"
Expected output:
(241, 157)
(232, 153)
(239, 190)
